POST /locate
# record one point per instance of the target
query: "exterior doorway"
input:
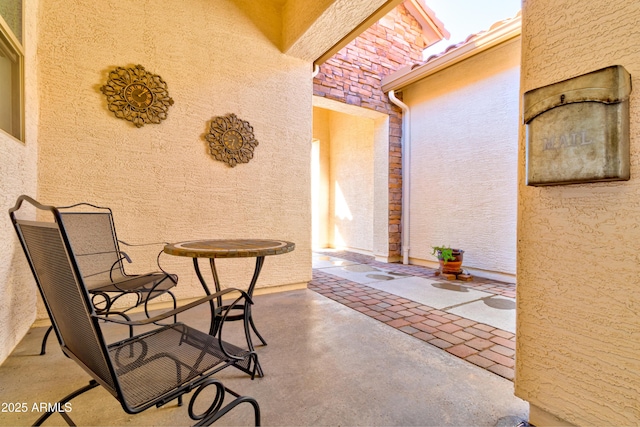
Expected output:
(350, 176)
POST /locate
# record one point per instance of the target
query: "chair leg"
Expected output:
(256, 366)
(61, 404)
(175, 305)
(242, 399)
(43, 349)
(215, 410)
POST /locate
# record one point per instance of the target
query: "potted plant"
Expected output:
(450, 259)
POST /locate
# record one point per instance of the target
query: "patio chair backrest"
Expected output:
(54, 267)
(93, 239)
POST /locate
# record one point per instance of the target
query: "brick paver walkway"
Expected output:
(483, 345)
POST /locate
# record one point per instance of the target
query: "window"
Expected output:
(11, 64)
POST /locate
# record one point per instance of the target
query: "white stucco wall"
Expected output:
(464, 133)
(160, 180)
(578, 326)
(18, 170)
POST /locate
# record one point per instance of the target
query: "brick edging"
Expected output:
(483, 345)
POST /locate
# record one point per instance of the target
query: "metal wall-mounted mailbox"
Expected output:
(578, 129)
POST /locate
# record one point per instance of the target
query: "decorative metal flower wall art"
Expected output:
(231, 140)
(136, 95)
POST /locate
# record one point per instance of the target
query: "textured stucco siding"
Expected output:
(160, 180)
(464, 133)
(320, 189)
(18, 173)
(578, 253)
(354, 168)
(308, 34)
(352, 181)
(299, 16)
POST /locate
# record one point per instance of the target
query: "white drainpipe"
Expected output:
(406, 144)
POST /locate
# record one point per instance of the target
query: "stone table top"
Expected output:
(229, 248)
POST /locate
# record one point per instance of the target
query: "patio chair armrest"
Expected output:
(145, 244)
(124, 255)
(142, 244)
(178, 310)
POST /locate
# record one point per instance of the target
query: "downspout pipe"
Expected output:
(405, 142)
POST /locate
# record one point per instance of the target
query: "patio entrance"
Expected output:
(350, 178)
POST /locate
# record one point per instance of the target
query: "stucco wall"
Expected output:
(160, 180)
(352, 181)
(354, 164)
(464, 133)
(18, 170)
(578, 327)
(321, 174)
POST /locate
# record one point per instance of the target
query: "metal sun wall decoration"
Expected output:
(231, 140)
(136, 95)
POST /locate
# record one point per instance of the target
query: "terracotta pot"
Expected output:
(452, 267)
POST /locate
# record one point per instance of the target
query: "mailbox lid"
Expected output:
(609, 85)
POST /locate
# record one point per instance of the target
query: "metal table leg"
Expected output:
(213, 328)
(245, 309)
(245, 315)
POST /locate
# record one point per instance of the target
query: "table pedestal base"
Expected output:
(244, 310)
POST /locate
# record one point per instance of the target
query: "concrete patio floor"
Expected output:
(325, 364)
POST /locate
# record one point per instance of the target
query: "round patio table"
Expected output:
(231, 248)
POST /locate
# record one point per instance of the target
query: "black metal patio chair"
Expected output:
(92, 234)
(145, 370)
